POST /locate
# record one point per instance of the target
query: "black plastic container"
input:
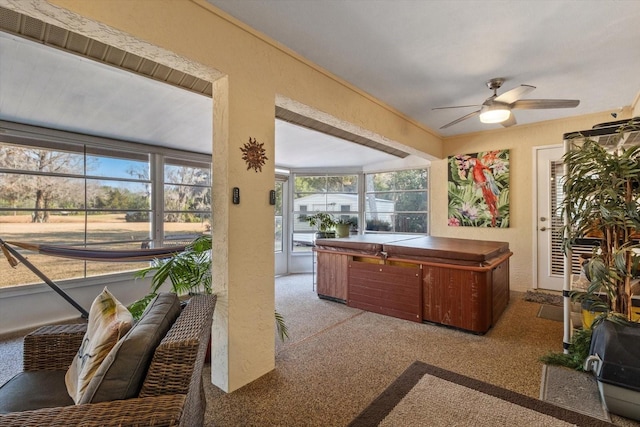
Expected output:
(615, 359)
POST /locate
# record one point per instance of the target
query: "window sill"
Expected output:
(37, 288)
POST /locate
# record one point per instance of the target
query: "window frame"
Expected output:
(297, 215)
(37, 137)
(426, 212)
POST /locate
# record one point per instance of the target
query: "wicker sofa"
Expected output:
(171, 394)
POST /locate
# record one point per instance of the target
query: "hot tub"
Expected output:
(456, 282)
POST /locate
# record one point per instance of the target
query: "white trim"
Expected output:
(66, 284)
(29, 306)
(19, 133)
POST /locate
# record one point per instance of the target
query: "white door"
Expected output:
(281, 246)
(550, 268)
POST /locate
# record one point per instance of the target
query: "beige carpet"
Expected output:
(338, 359)
(425, 395)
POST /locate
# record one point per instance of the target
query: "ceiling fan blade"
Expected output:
(510, 121)
(456, 106)
(533, 104)
(513, 95)
(468, 116)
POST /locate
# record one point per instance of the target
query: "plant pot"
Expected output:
(589, 313)
(342, 230)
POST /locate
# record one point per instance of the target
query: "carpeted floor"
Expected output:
(338, 359)
(11, 356)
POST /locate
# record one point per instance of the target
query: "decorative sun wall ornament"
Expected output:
(254, 154)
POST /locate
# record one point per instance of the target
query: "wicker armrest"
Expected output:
(180, 355)
(148, 411)
(52, 347)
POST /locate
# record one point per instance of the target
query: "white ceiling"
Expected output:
(298, 147)
(420, 54)
(44, 86)
(48, 87)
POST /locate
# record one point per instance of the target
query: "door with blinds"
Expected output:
(550, 269)
(550, 266)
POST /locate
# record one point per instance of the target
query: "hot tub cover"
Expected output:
(367, 243)
(477, 251)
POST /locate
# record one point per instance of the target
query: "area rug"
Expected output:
(425, 395)
(553, 312)
(574, 390)
(543, 298)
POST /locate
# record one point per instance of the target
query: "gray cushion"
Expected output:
(34, 390)
(121, 374)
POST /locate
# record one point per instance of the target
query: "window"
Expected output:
(100, 194)
(334, 194)
(397, 201)
(187, 200)
(279, 226)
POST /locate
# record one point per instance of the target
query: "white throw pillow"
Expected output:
(109, 320)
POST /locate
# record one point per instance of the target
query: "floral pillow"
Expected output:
(109, 320)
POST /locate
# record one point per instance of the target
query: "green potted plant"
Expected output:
(343, 227)
(602, 199)
(324, 223)
(189, 273)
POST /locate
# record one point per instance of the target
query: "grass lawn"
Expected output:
(68, 230)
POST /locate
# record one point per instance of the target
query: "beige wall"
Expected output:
(521, 141)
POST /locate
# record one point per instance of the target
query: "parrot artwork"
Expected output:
(479, 189)
(483, 179)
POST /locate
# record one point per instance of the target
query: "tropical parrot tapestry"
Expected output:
(479, 189)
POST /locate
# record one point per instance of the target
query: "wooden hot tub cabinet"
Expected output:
(332, 282)
(471, 298)
(457, 282)
(394, 290)
(334, 255)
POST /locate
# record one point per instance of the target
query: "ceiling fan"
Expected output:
(497, 109)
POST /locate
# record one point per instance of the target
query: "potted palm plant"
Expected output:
(602, 199)
(189, 273)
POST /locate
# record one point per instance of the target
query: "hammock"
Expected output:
(89, 254)
(84, 254)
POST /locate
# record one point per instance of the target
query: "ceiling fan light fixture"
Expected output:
(494, 113)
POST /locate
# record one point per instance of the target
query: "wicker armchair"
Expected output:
(172, 393)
